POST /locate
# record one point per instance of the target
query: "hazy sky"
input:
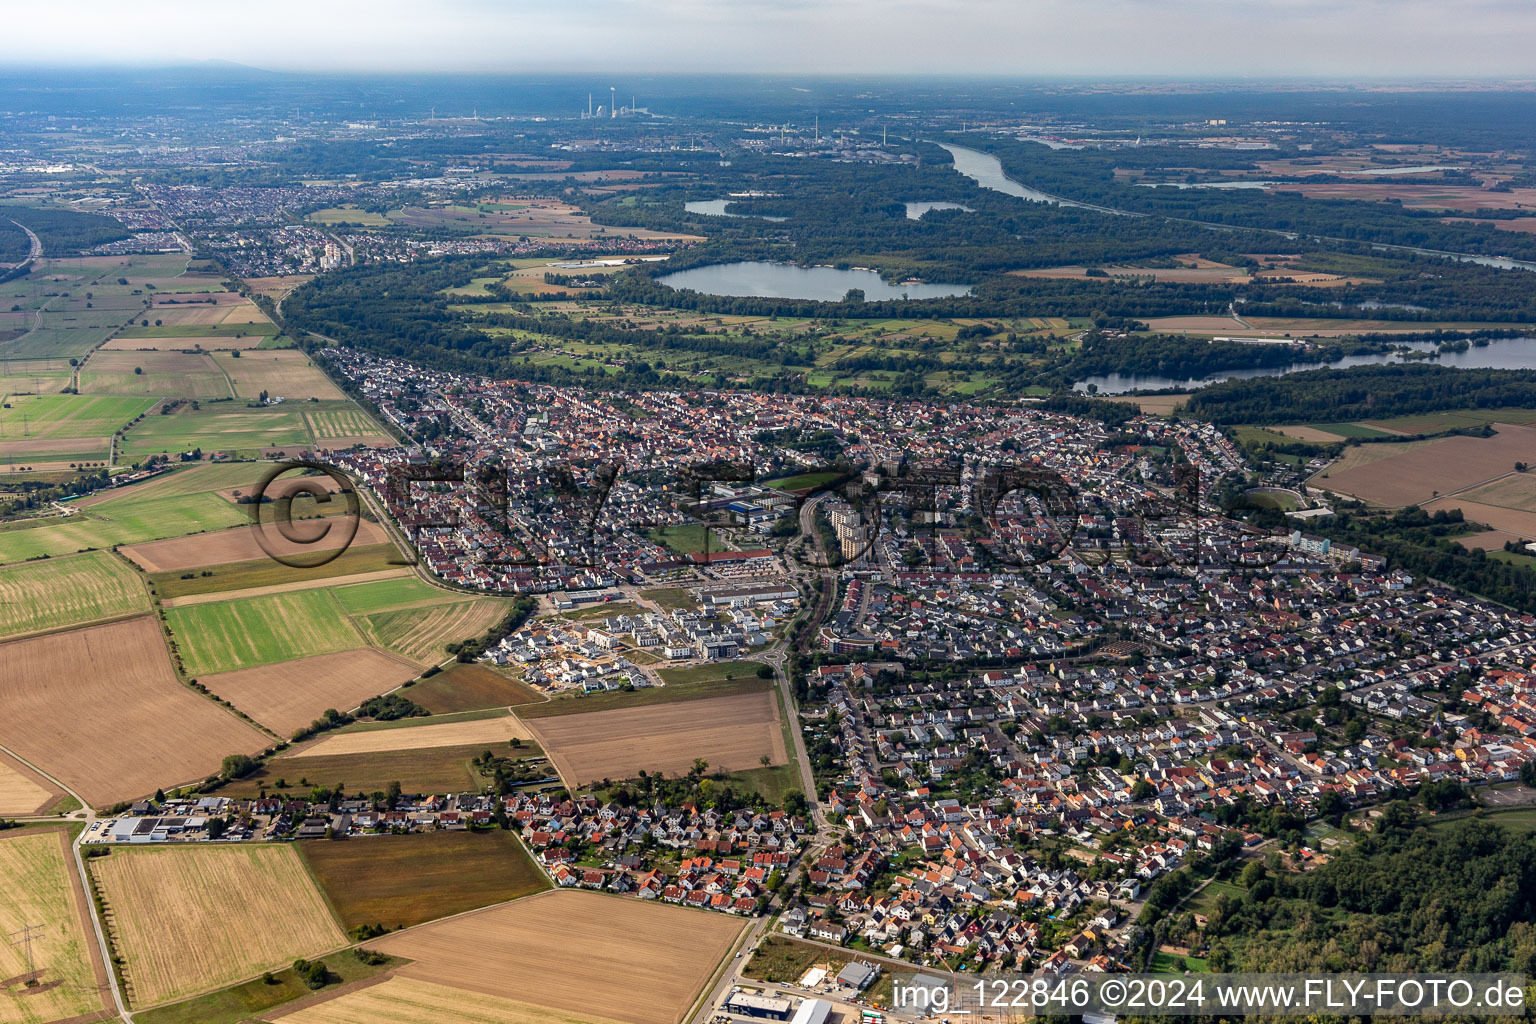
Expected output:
(1163, 38)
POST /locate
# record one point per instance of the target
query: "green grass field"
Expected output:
(58, 592)
(219, 426)
(399, 881)
(687, 539)
(387, 595)
(802, 481)
(48, 417)
(227, 635)
(121, 520)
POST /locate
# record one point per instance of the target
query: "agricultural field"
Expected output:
(672, 693)
(225, 636)
(420, 634)
(39, 887)
(1414, 473)
(63, 427)
(205, 342)
(347, 215)
(289, 695)
(401, 881)
(281, 373)
(129, 516)
(176, 374)
(219, 427)
(257, 997)
(416, 734)
(100, 709)
(236, 551)
(428, 770)
(22, 791)
(533, 217)
(470, 688)
(277, 287)
(344, 425)
(198, 917)
(731, 733)
(578, 952)
(405, 1001)
(56, 593)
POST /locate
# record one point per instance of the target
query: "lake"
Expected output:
(784, 281)
(717, 208)
(915, 211)
(986, 170)
(1510, 354)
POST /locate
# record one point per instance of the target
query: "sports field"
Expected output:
(58, 592)
(39, 889)
(579, 952)
(400, 881)
(187, 919)
(100, 709)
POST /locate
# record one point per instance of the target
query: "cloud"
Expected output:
(1167, 38)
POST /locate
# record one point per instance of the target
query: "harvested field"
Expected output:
(289, 695)
(407, 1001)
(1207, 272)
(193, 918)
(1517, 524)
(582, 952)
(421, 635)
(470, 688)
(500, 730)
(1490, 540)
(277, 287)
(38, 886)
(401, 881)
(731, 733)
(181, 374)
(22, 791)
(100, 709)
(1415, 473)
(281, 373)
(1516, 491)
(56, 593)
(1152, 405)
(238, 545)
(321, 581)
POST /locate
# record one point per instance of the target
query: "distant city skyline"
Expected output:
(1183, 39)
